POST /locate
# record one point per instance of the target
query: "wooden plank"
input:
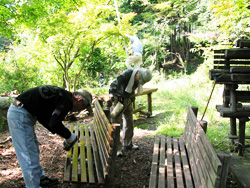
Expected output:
(186, 169)
(82, 157)
(243, 44)
(170, 168)
(240, 77)
(240, 69)
(178, 170)
(240, 169)
(231, 62)
(146, 91)
(162, 163)
(67, 170)
(209, 175)
(237, 53)
(154, 166)
(225, 159)
(219, 51)
(98, 167)
(210, 151)
(102, 143)
(103, 116)
(75, 158)
(239, 41)
(89, 158)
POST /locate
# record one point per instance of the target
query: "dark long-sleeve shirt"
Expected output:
(50, 105)
(118, 86)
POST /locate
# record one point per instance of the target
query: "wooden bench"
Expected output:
(92, 159)
(188, 162)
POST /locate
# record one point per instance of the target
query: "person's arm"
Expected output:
(58, 115)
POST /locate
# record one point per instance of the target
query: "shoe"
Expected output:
(135, 147)
(67, 146)
(46, 182)
(128, 148)
(119, 153)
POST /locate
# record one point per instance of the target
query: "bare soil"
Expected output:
(132, 169)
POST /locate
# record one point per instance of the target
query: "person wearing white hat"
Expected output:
(122, 92)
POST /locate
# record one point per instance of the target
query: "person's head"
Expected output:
(79, 102)
(88, 96)
(142, 76)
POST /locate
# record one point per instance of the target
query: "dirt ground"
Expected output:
(132, 170)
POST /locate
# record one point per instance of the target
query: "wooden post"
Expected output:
(195, 110)
(225, 159)
(203, 125)
(233, 130)
(242, 126)
(116, 138)
(150, 104)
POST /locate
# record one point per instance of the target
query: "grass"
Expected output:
(170, 106)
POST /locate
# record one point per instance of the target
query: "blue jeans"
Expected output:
(21, 125)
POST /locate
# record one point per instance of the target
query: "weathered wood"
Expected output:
(240, 42)
(148, 92)
(186, 169)
(75, 159)
(170, 168)
(83, 168)
(244, 44)
(138, 109)
(154, 166)
(240, 69)
(97, 151)
(237, 53)
(225, 159)
(162, 170)
(192, 163)
(240, 168)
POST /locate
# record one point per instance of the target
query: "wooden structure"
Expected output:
(148, 92)
(191, 162)
(232, 68)
(92, 159)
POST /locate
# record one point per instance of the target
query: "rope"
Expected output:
(219, 75)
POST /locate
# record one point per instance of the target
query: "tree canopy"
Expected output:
(68, 43)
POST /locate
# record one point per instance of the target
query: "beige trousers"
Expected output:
(125, 119)
(135, 59)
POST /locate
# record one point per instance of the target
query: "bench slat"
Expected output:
(170, 168)
(89, 158)
(98, 166)
(83, 167)
(179, 179)
(154, 166)
(75, 159)
(209, 149)
(186, 169)
(162, 168)
(67, 169)
(102, 115)
(102, 145)
(107, 139)
(207, 168)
